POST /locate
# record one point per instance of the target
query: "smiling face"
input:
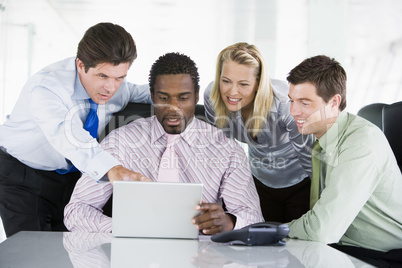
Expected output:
(102, 81)
(174, 99)
(312, 114)
(238, 85)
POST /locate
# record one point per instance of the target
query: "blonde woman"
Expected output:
(253, 109)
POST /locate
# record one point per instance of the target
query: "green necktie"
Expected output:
(315, 180)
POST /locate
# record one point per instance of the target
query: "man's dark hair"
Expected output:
(174, 63)
(325, 73)
(106, 43)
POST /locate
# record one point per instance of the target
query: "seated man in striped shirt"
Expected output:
(205, 155)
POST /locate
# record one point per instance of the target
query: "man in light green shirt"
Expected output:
(360, 184)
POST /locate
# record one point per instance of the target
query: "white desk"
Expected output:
(55, 249)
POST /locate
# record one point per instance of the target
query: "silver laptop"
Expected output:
(155, 209)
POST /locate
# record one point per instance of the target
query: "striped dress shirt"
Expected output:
(205, 155)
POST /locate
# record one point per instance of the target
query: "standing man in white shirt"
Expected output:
(45, 145)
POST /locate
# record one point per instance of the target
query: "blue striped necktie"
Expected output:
(91, 125)
(92, 122)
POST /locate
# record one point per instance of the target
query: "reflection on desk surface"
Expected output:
(55, 249)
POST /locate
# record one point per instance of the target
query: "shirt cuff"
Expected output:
(106, 226)
(240, 223)
(100, 165)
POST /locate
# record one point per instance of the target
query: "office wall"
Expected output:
(362, 34)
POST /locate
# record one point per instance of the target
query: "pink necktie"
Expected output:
(169, 166)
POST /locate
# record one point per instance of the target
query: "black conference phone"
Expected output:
(258, 234)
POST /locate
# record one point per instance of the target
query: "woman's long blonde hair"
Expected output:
(249, 55)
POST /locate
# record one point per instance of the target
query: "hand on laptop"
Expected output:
(120, 173)
(213, 219)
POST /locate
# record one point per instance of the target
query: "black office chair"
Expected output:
(134, 111)
(373, 113)
(388, 119)
(392, 128)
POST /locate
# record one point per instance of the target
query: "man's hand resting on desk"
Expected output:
(120, 173)
(213, 219)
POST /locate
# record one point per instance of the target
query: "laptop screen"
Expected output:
(155, 209)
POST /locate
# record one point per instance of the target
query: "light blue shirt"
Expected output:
(45, 129)
(281, 156)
